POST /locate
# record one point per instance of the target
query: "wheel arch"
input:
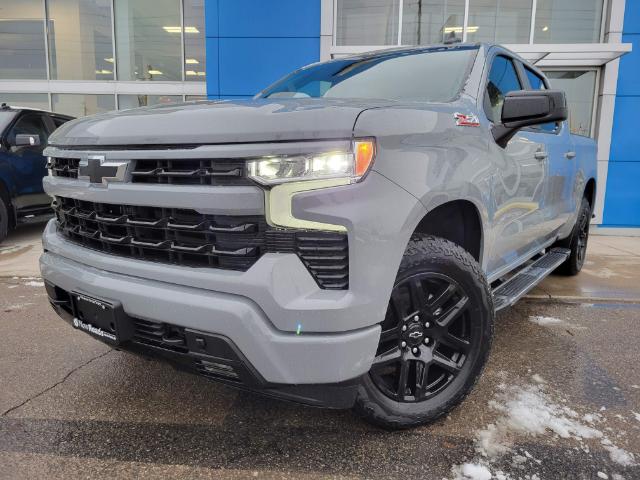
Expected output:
(590, 192)
(458, 221)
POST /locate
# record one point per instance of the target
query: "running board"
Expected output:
(513, 289)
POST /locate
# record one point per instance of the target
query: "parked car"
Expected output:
(23, 137)
(343, 239)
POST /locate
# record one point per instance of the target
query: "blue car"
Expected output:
(23, 136)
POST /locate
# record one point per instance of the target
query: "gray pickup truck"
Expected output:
(343, 239)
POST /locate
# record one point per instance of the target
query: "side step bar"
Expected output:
(513, 289)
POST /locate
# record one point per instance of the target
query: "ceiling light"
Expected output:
(104, 72)
(545, 28)
(155, 72)
(172, 29)
(191, 61)
(110, 59)
(470, 29)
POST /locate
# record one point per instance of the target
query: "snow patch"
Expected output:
(34, 284)
(603, 475)
(471, 471)
(636, 415)
(544, 321)
(529, 411)
(620, 456)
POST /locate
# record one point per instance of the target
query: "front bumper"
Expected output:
(277, 357)
(211, 356)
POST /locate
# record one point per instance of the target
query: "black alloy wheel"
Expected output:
(426, 338)
(435, 337)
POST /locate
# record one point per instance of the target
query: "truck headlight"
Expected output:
(352, 165)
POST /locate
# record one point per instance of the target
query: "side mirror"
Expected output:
(27, 140)
(524, 108)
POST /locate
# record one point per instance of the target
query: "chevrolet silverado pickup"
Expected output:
(343, 239)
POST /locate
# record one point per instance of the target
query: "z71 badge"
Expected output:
(464, 120)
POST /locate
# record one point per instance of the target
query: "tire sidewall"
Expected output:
(481, 311)
(4, 219)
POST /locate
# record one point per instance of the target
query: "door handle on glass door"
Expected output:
(570, 154)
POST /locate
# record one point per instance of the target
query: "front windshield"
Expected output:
(434, 75)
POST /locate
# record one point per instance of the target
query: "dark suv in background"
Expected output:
(24, 133)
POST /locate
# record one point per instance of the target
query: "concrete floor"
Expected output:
(560, 398)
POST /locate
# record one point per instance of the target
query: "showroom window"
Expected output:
(30, 100)
(80, 39)
(78, 105)
(194, 41)
(499, 21)
(420, 22)
(425, 22)
(22, 43)
(126, 102)
(568, 21)
(580, 88)
(148, 39)
(367, 22)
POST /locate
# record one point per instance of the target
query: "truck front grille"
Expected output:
(189, 238)
(183, 237)
(190, 172)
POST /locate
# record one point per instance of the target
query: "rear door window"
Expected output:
(536, 82)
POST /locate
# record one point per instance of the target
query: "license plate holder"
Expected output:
(101, 319)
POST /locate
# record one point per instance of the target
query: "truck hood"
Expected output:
(212, 122)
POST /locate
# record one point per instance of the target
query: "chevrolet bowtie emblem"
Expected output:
(415, 334)
(96, 169)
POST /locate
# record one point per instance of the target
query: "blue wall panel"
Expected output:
(625, 141)
(247, 65)
(211, 18)
(622, 208)
(632, 16)
(252, 43)
(264, 18)
(628, 83)
(213, 88)
(622, 198)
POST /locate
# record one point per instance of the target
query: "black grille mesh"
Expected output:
(190, 172)
(186, 237)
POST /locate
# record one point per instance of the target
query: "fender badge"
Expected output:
(464, 120)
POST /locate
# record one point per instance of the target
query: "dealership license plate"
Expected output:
(96, 317)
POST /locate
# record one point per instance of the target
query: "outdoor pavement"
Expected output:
(559, 399)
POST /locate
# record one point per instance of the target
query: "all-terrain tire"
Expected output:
(4, 219)
(442, 257)
(576, 242)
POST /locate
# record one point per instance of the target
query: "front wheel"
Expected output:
(435, 337)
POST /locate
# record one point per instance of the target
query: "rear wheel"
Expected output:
(577, 242)
(4, 219)
(435, 337)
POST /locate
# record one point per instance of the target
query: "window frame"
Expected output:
(485, 83)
